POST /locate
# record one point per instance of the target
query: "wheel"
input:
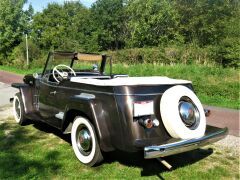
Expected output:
(85, 143)
(18, 109)
(182, 113)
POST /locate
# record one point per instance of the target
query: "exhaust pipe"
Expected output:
(147, 123)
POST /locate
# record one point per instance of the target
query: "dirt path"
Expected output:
(223, 117)
(8, 78)
(220, 117)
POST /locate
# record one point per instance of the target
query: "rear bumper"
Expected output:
(212, 135)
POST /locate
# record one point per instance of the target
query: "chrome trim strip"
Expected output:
(183, 145)
(60, 115)
(85, 96)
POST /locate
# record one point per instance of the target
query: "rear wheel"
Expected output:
(84, 142)
(18, 109)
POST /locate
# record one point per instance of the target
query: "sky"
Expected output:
(39, 5)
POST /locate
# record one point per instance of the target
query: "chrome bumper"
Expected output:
(212, 134)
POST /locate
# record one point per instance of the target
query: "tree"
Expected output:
(12, 25)
(203, 22)
(109, 18)
(63, 27)
(152, 23)
(228, 50)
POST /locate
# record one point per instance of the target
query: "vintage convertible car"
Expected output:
(105, 111)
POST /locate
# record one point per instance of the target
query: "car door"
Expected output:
(50, 102)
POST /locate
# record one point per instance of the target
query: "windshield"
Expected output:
(81, 64)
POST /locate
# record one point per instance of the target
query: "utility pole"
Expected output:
(27, 50)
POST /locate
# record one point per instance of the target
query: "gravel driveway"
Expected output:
(6, 92)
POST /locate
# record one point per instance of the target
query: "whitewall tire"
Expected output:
(170, 113)
(18, 109)
(84, 142)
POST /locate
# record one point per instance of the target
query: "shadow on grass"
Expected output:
(153, 167)
(49, 129)
(14, 164)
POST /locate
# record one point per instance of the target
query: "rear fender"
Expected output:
(92, 110)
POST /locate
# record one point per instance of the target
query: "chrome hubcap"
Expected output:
(84, 140)
(189, 113)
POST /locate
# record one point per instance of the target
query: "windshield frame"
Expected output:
(73, 56)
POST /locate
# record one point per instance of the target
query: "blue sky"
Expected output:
(38, 5)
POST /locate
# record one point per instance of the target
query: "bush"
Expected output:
(165, 55)
(228, 53)
(18, 56)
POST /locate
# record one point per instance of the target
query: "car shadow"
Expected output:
(49, 129)
(150, 167)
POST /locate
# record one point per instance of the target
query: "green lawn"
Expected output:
(37, 151)
(214, 85)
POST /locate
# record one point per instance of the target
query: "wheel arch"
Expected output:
(88, 109)
(69, 117)
(26, 93)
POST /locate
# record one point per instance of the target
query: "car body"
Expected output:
(107, 112)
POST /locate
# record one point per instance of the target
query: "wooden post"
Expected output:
(27, 50)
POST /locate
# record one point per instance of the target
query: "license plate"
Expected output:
(142, 108)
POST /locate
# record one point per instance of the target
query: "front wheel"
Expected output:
(84, 142)
(18, 109)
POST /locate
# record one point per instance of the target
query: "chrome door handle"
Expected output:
(53, 92)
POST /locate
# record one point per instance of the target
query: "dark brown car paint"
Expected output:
(109, 111)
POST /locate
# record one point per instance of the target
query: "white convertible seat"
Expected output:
(128, 81)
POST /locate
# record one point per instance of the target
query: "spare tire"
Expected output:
(182, 113)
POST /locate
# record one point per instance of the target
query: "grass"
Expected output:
(21, 70)
(214, 85)
(37, 151)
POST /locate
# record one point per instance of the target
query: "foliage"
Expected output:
(61, 26)
(18, 55)
(108, 17)
(228, 51)
(203, 22)
(152, 23)
(13, 23)
(177, 28)
(164, 55)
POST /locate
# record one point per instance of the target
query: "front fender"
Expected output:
(93, 110)
(26, 92)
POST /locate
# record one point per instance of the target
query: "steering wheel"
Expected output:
(62, 74)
